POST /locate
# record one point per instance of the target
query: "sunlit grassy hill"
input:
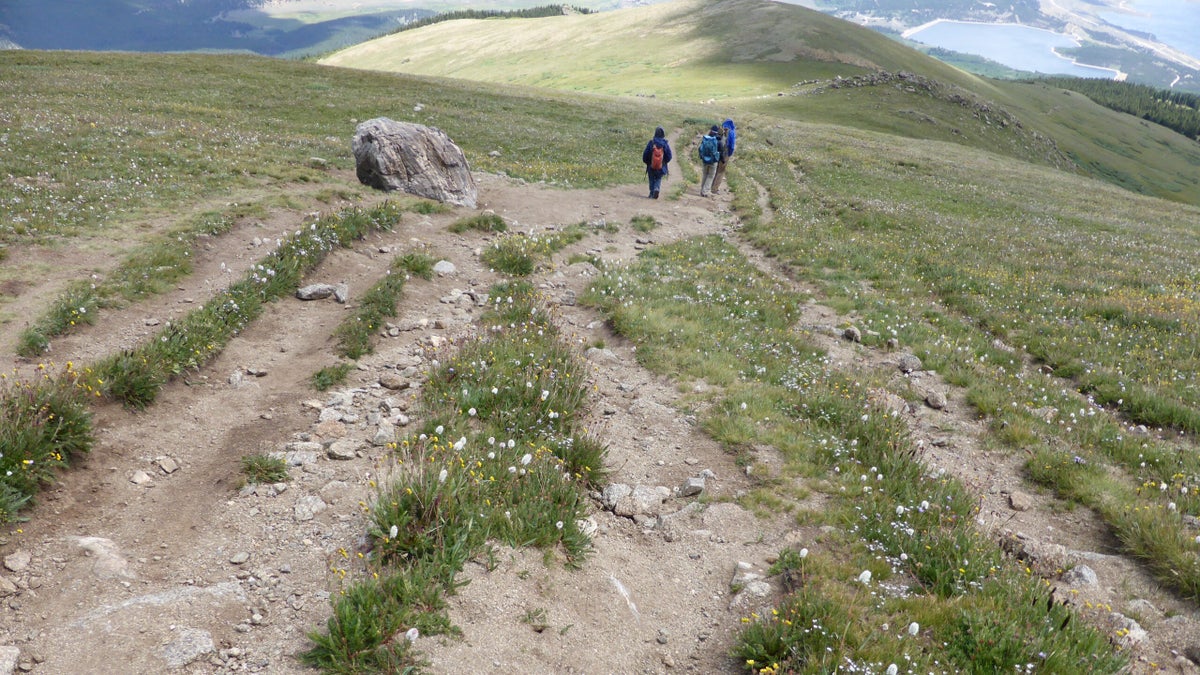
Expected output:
(753, 57)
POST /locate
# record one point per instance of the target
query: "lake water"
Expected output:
(1015, 46)
(1174, 22)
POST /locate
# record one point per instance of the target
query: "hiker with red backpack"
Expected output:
(656, 157)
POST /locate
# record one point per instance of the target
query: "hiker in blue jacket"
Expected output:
(656, 157)
(711, 150)
(730, 136)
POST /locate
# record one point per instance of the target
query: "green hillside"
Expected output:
(750, 57)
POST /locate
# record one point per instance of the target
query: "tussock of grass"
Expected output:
(484, 222)
(331, 376)
(44, 424)
(643, 223)
(264, 469)
(500, 456)
(520, 254)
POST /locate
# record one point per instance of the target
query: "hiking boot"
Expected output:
(654, 195)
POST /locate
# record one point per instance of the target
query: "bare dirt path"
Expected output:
(149, 558)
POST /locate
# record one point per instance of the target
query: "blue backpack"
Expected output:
(708, 150)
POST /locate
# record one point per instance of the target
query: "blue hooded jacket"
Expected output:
(730, 136)
(660, 138)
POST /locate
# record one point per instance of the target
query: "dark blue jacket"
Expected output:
(666, 146)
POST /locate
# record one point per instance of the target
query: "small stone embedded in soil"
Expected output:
(344, 449)
(18, 561)
(240, 558)
(168, 465)
(936, 400)
(140, 478)
(308, 507)
(1019, 501)
(692, 487)
(394, 382)
(9, 656)
(190, 645)
(315, 291)
(909, 363)
(1080, 575)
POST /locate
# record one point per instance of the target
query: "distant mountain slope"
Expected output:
(196, 25)
(758, 57)
(684, 50)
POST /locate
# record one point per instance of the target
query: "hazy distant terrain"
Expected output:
(298, 28)
(1102, 28)
(200, 25)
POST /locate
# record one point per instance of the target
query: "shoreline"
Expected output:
(1114, 73)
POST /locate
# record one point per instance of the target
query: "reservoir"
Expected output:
(1015, 46)
(1173, 22)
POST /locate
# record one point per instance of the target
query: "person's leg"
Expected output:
(655, 185)
(717, 177)
(710, 171)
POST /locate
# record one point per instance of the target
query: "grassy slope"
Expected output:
(743, 54)
(684, 50)
(135, 135)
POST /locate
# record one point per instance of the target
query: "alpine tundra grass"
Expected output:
(699, 310)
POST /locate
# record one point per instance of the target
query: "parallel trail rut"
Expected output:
(203, 578)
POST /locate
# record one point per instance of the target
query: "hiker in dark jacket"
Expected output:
(648, 158)
(729, 134)
(711, 151)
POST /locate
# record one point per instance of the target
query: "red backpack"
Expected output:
(656, 157)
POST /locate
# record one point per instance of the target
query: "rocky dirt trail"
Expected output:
(150, 557)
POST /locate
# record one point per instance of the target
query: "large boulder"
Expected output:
(417, 159)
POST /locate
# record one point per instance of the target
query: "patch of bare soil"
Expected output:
(150, 556)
